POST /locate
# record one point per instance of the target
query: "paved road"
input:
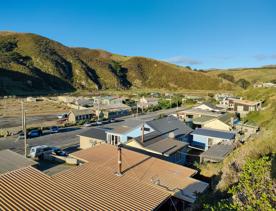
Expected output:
(67, 138)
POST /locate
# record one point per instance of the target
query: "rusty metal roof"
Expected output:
(168, 176)
(86, 187)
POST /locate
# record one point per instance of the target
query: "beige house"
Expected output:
(190, 114)
(212, 123)
(112, 111)
(245, 106)
(78, 115)
(92, 137)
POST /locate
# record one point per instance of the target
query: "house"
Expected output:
(264, 85)
(189, 114)
(204, 138)
(90, 186)
(75, 116)
(111, 100)
(92, 137)
(164, 145)
(112, 111)
(10, 161)
(245, 106)
(208, 107)
(228, 102)
(246, 129)
(107, 100)
(122, 132)
(221, 96)
(115, 110)
(114, 134)
(221, 123)
(170, 178)
(172, 124)
(145, 103)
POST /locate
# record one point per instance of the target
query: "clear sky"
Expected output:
(198, 33)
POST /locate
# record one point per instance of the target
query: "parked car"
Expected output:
(89, 124)
(99, 123)
(38, 152)
(62, 116)
(20, 136)
(54, 129)
(34, 133)
(112, 120)
(58, 151)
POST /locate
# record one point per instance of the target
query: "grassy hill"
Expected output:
(262, 74)
(32, 64)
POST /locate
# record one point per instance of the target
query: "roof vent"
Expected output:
(171, 135)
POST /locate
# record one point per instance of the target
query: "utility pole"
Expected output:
(24, 128)
(22, 109)
(25, 134)
(137, 109)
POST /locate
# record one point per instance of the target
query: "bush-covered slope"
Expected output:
(33, 64)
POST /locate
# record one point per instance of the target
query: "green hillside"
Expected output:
(32, 64)
(262, 74)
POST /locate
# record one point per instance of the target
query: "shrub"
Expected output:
(227, 77)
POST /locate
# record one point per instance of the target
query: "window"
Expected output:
(210, 142)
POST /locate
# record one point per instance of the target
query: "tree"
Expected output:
(254, 191)
(243, 83)
(227, 77)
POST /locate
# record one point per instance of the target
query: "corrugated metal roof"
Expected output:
(86, 187)
(170, 124)
(214, 133)
(10, 161)
(203, 119)
(159, 142)
(218, 152)
(97, 133)
(162, 174)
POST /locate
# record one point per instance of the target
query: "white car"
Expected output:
(99, 123)
(89, 124)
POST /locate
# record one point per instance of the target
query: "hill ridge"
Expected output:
(33, 64)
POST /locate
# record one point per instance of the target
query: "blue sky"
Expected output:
(199, 33)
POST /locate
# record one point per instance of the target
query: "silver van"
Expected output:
(38, 152)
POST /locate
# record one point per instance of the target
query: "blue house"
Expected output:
(204, 138)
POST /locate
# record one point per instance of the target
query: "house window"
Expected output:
(210, 142)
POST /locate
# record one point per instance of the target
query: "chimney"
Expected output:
(143, 132)
(119, 171)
